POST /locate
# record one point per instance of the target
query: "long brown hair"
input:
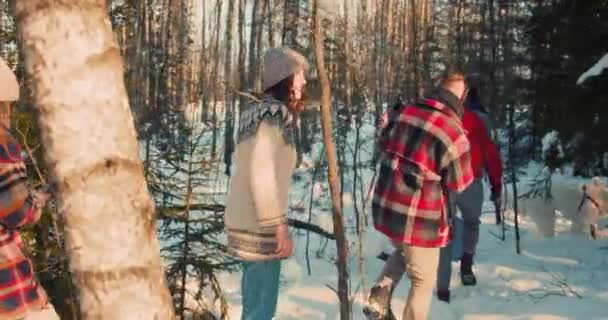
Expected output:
(283, 91)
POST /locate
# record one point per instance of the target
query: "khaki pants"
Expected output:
(421, 267)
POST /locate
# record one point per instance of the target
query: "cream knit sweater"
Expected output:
(258, 197)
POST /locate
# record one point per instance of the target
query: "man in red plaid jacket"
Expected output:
(424, 154)
(20, 295)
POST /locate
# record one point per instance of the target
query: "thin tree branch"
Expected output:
(166, 212)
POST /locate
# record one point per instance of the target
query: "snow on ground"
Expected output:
(565, 277)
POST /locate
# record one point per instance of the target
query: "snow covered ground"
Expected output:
(564, 277)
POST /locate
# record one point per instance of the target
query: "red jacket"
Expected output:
(484, 153)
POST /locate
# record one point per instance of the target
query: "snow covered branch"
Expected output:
(596, 70)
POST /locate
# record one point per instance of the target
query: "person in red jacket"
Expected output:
(485, 158)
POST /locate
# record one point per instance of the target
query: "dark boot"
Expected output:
(466, 270)
(443, 295)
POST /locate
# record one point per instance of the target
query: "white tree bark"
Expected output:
(91, 151)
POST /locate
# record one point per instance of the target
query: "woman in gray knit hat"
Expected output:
(255, 218)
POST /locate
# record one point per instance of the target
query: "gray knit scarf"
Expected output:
(271, 111)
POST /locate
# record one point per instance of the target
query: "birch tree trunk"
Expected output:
(186, 248)
(494, 53)
(203, 69)
(513, 173)
(290, 22)
(257, 22)
(228, 87)
(334, 187)
(74, 65)
(378, 65)
(414, 46)
(215, 75)
(268, 4)
(257, 81)
(243, 86)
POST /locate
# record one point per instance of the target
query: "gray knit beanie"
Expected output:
(279, 64)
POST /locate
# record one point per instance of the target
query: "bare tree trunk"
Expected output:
(310, 206)
(242, 54)
(379, 64)
(289, 38)
(228, 85)
(514, 176)
(414, 46)
(506, 81)
(186, 215)
(341, 242)
(109, 214)
(391, 15)
(360, 213)
(216, 72)
(460, 34)
(269, 12)
(257, 24)
(183, 56)
(428, 51)
(204, 61)
(133, 61)
(493, 48)
(347, 62)
(291, 22)
(257, 82)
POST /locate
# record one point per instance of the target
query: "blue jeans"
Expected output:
(260, 289)
(466, 233)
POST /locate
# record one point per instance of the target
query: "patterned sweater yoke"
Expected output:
(269, 111)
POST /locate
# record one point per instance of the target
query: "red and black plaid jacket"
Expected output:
(19, 290)
(424, 153)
